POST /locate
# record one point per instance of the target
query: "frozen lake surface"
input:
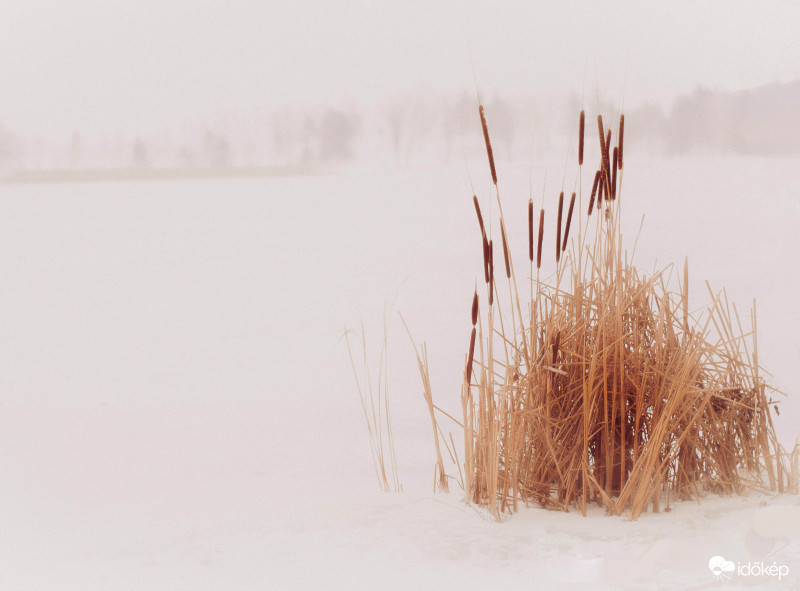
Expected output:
(177, 407)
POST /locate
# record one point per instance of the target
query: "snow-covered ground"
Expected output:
(177, 409)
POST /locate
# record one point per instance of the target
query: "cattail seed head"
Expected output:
(558, 231)
(486, 256)
(475, 308)
(541, 235)
(491, 273)
(489, 152)
(471, 355)
(505, 247)
(621, 137)
(478, 211)
(580, 138)
(614, 174)
(569, 220)
(594, 190)
(602, 134)
(530, 229)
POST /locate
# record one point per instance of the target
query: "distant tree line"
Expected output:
(411, 129)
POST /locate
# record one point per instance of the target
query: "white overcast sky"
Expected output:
(106, 66)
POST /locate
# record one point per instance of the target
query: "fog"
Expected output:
(196, 84)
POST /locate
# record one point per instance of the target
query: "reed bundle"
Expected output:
(610, 392)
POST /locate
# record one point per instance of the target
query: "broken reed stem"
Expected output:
(580, 138)
(489, 152)
(558, 231)
(569, 221)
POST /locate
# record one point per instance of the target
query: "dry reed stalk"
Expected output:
(489, 152)
(558, 230)
(569, 221)
(580, 138)
(377, 421)
(505, 248)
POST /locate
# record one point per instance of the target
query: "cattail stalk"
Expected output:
(580, 138)
(621, 137)
(558, 232)
(569, 220)
(489, 152)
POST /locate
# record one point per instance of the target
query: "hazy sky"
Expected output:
(134, 66)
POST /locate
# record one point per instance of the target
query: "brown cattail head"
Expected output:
(491, 273)
(475, 308)
(621, 136)
(486, 256)
(580, 138)
(471, 355)
(615, 161)
(602, 135)
(530, 229)
(488, 143)
(558, 230)
(541, 235)
(569, 220)
(594, 191)
(480, 217)
(505, 247)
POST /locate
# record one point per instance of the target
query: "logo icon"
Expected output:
(721, 568)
